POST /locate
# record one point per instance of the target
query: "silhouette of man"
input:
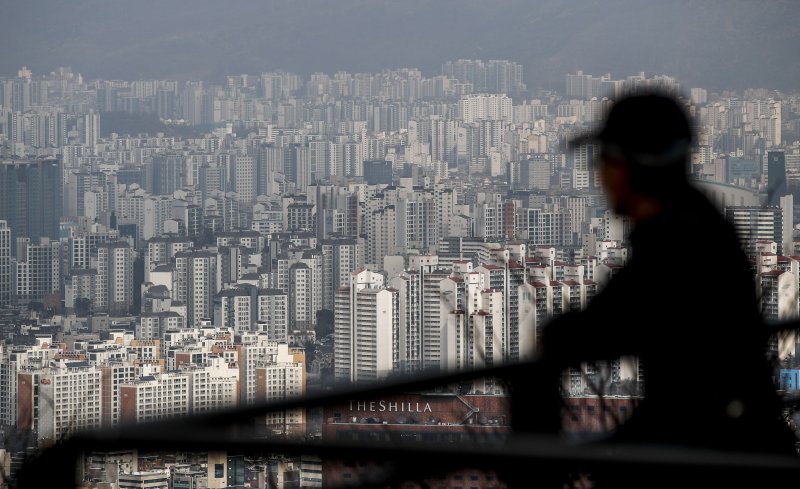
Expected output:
(685, 303)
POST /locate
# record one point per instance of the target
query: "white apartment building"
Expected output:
(754, 224)
(113, 375)
(15, 359)
(477, 107)
(376, 319)
(408, 348)
(60, 399)
(418, 225)
(340, 258)
(255, 347)
(114, 278)
(38, 269)
(195, 282)
(156, 210)
(550, 227)
(153, 325)
(213, 386)
(301, 290)
(244, 178)
(5, 264)
(779, 295)
(82, 247)
(542, 299)
(147, 479)
(484, 342)
(161, 251)
(152, 398)
(281, 376)
(301, 279)
(380, 228)
(366, 316)
(248, 308)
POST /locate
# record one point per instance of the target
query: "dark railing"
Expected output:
(532, 455)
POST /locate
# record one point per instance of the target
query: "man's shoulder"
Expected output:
(697, 211)
(691, 226)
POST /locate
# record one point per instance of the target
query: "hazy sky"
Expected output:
(713, 43)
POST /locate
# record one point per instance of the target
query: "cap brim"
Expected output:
(593, 137)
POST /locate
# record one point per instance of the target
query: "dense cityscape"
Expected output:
(170, 248)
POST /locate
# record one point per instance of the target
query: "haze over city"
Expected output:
(715, 44)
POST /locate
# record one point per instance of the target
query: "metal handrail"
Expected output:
(233, 431)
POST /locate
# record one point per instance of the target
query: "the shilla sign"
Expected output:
(381, 406)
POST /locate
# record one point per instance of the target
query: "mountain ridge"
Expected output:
(714, 43)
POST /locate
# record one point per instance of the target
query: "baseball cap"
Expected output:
(651, 129)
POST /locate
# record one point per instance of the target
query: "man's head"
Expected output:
(646, 142)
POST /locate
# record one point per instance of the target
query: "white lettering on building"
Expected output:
(389, 406)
